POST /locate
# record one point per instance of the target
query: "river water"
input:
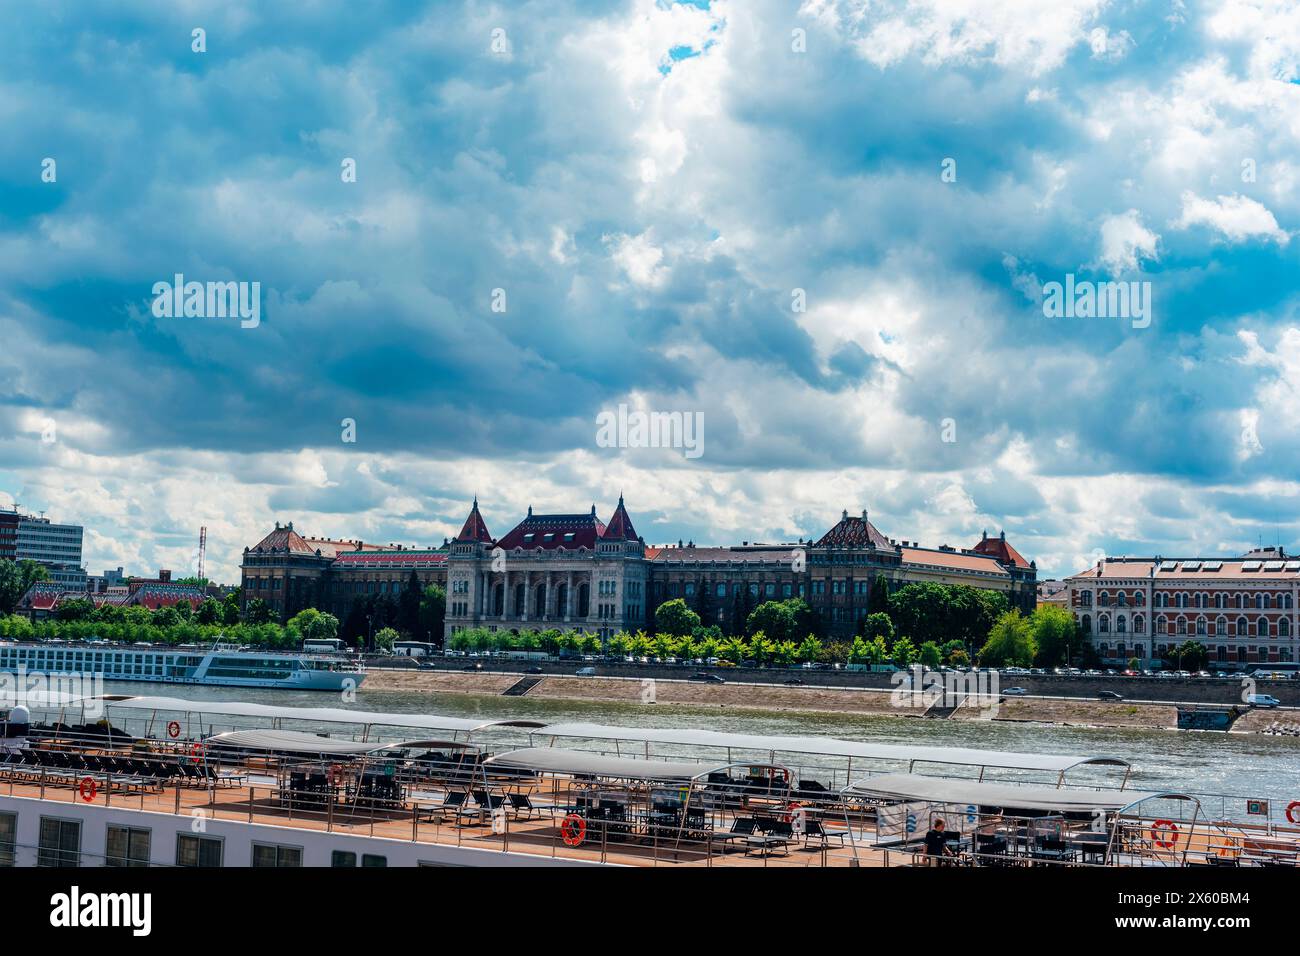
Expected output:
(1243, 765)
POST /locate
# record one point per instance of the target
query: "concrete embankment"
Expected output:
(809, 699)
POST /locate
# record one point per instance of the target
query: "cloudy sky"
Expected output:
(649, 184)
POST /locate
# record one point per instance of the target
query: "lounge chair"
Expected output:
(522, 805)
(813, 831)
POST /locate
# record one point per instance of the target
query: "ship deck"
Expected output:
(424, 817)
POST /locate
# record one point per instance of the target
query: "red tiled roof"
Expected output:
(856, 532)
(554, 531)
(475, 528)
(956, 560)
(775, 555)
(154, 596)
(999, 548)
(620, 525)
(389, 559)
(282, 538)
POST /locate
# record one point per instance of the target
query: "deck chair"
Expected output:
(453, 803)
(522, 805)
(814, 832)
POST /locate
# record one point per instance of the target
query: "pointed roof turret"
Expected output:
(620, 525)
(475, 528)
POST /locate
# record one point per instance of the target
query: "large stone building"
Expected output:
(577, 572)
(1243, 610)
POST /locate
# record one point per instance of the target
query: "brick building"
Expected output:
(577, 572)
(1242, 609)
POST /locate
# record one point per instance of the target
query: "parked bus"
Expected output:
(414, 648)
(323, 645)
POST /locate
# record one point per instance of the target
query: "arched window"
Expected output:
(1284, 627)
(1201, 627)
(1220, 625)
(1138, 598)
(1087, 624)
(1121, 599)
(1263, 630)
(1103, 599)
(1139, 624)
(1103, 623)
(1121, 624)
(1182, 625)
(1242, 629)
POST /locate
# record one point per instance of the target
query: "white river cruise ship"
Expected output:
(222, 664)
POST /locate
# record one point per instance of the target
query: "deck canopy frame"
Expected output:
(908, 754)
(367, 720)
(1108, 804)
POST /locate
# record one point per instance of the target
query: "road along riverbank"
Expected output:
(807, 699)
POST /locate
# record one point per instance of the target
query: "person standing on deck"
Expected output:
(936, 843)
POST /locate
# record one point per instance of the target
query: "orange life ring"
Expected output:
(1291, 809)
(173, 730)
(88, 789)
(1159, 827)
(573, 830)
(793, 810)
(196, 750)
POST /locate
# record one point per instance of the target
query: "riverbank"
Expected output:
(1060, 712)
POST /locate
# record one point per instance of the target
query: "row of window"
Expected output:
(1220, 626)
(1243, 653)
(60, 845)
(1201, 599)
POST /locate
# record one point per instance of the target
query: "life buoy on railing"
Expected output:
(573, 830)
(1158, 831)
(793, 811)
(1293, 811)
(88, 789)
(336, 774)
(196, 751)
(173, 730)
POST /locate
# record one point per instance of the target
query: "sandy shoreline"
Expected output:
(1069, 713)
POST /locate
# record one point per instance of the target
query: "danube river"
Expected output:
(1243, 765)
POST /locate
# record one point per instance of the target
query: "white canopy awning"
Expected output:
(829, 746)
(560, 760)
(909, 787)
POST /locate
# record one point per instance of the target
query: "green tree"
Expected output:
(77, 609)
(384, 637)
(209, 612)
(1010, 642)
(433, 612)
(1192, 656)
(259, 612)
(930, 654)
(1056, 635)
(878, 624)
(810, 650)
(904, 652)
(674, 617)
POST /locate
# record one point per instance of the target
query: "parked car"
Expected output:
(1263, 700)
(1015, 692)
(708, 678)
(1108, 695)
(472, 667)
(586, 672)
(534, 670)
(794, 681)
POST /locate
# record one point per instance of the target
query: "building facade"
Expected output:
(576, 572)
(1243, 610)
(56, 546)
